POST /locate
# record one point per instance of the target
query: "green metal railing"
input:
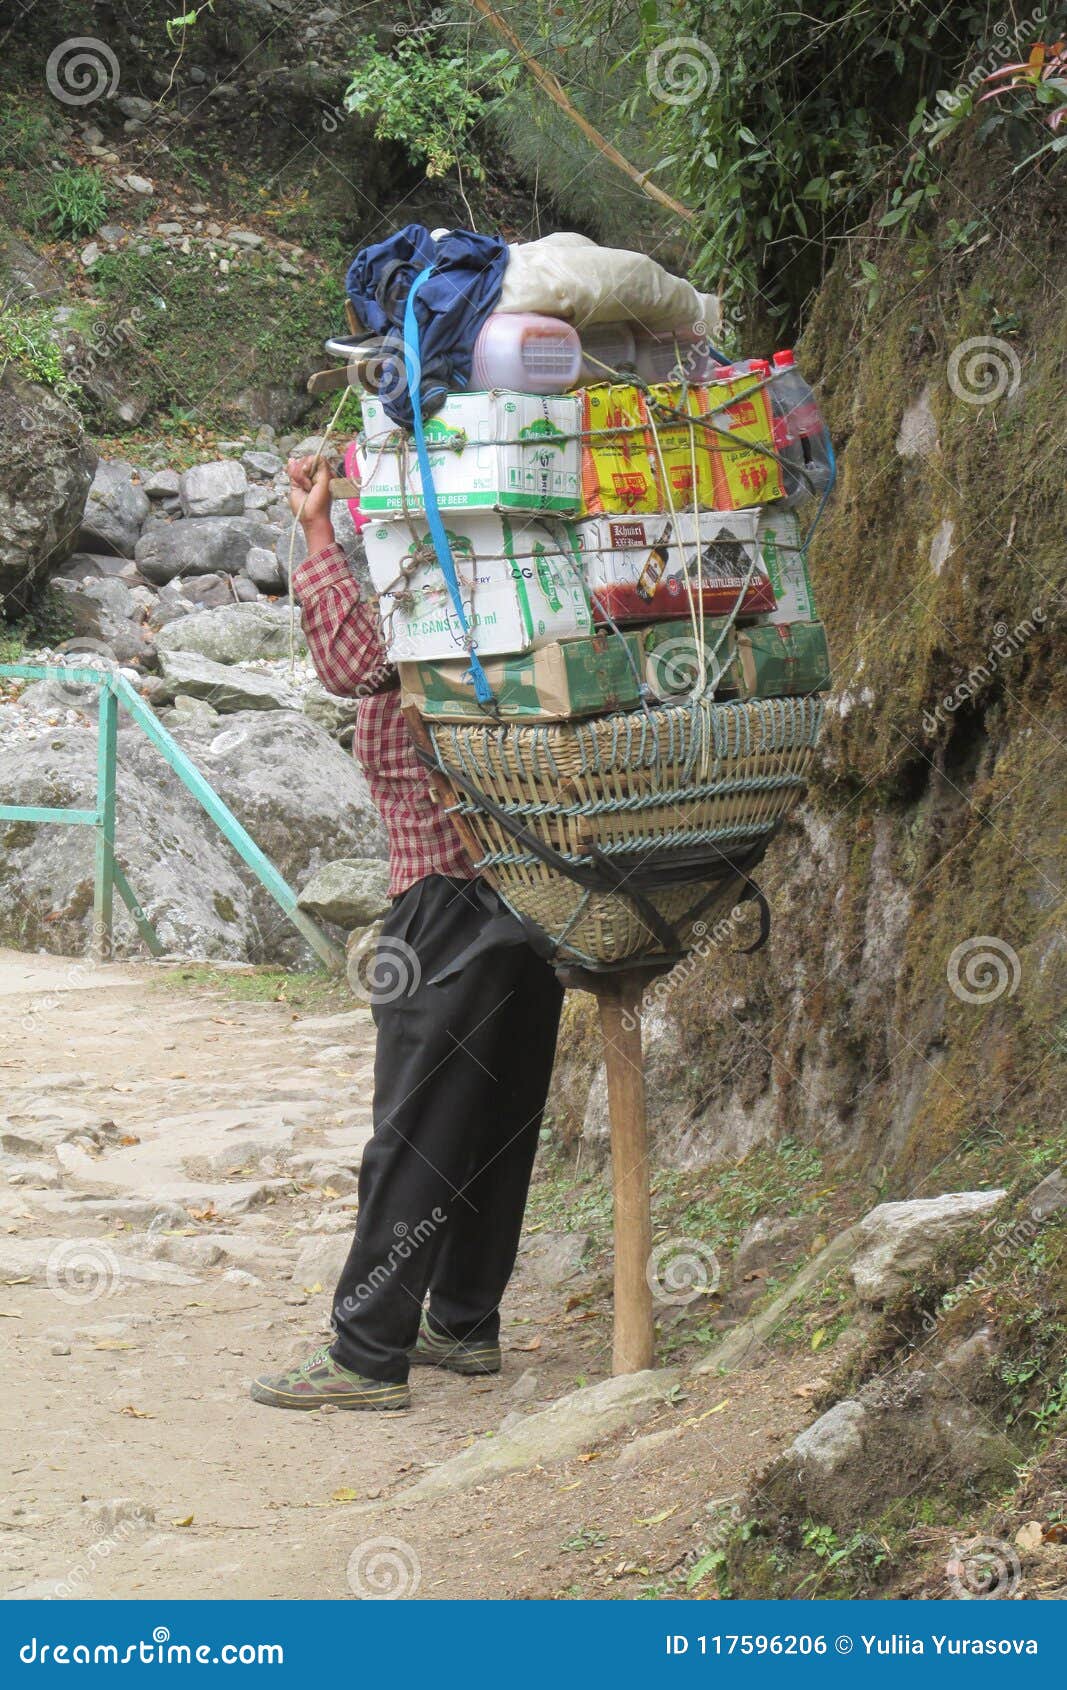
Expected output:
(108, 876)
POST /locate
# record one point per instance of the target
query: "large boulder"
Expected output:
(26, 276)
(351, 893)
(106, 614)
(222, 685)
(216, 489)
(235, 633)
(899, 1238)
(200, 545)
(303, 800)
(115, 511)
(46, 467)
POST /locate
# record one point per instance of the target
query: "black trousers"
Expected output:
(460, 1078)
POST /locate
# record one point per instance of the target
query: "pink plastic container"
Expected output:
(527, 353)
(352, 473)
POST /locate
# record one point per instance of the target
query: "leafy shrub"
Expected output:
(73, 202)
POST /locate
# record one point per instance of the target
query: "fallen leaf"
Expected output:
(129, 1138)
(115, 1344)
(345, 1494)
(534, 1344)
(817, 1337)
(186, 1521)
(313, 1290)
(24, 1280)
(136, 1413)
(658, 1519)
(757, 1273)
(1056, 1533)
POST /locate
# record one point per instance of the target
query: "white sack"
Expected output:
(566, 275)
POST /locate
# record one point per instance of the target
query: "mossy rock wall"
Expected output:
(931, 851)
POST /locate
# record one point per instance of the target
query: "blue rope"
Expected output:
(413, 370)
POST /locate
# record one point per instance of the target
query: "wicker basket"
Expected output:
(674, 805)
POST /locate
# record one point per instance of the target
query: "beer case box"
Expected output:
(743, 475)
(782, 660)
(682, 447)
(618, 474)
(557, 683)
(636, 568)
(780, 540)
(520, 584)
(773, 660)
(487, 451)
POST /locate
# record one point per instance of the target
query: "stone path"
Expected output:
(178, 1196)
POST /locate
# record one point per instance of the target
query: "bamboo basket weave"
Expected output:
(677, 802)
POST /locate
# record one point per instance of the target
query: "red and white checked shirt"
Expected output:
(348, 652)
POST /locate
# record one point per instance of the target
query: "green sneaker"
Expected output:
(432, 1349)
(320, 1381)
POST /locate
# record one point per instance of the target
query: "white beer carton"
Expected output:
(520, 584)
(779, 539)
(487, 451)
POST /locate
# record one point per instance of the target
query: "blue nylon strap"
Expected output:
(413, 369)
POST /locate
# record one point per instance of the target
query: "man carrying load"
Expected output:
(462, 1067)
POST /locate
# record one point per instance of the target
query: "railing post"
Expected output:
(104, 878)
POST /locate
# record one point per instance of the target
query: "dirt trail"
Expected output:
(179, 1176)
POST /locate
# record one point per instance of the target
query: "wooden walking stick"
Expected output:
(618, 1000)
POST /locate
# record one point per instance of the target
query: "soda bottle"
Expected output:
(799, 431)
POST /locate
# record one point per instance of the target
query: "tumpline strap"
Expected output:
(413, 370)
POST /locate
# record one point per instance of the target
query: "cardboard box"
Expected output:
(681, 447)
(742, 476)
(520, 583)
(780, 535)
(636, 567)
(488, 451)
(672, 667)
(782, 660)
(617, 455)
(557, 683)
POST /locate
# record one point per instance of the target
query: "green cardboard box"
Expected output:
(765, 660)
(782, 660)
(581, 677)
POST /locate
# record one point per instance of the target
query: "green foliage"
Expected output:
(26, 341)
(428, 102)
(72, 202)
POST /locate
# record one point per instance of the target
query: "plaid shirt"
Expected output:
(349, 655)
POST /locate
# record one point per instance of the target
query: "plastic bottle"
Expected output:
(608, 351)
(801, 426)
(527, 353)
